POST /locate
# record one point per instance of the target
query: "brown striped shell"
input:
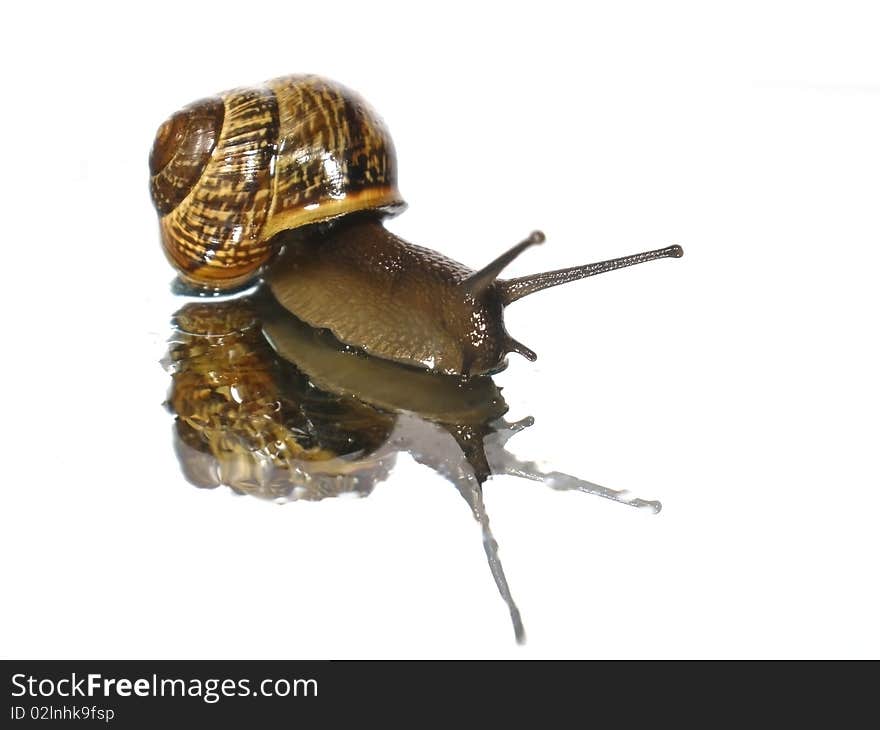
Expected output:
(230, 172)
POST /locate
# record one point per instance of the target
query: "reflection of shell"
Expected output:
(250, 420)
(231, 171)
(263, 473)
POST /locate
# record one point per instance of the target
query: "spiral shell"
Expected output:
(230, 172)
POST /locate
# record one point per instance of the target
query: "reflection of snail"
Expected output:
(303, 163)
(274, 408)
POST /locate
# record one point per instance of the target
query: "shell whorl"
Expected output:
(230, 172)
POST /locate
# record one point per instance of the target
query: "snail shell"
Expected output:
(231, 171)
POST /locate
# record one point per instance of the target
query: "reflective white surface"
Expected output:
(737, 385)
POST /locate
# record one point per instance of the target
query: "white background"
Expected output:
(739, 385)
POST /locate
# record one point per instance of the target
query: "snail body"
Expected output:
(394, 300)
(410, 304)
(303, 164)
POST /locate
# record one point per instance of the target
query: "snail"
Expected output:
(292, 180)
